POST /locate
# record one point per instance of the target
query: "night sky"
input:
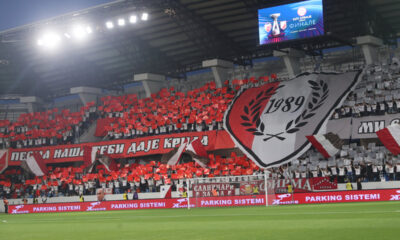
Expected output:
(14, 13)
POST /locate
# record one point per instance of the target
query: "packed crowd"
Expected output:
(202, 109)
(369, 164)
(377, 94)
(52, 127)
(127, 116)
(71, 181)
(170, 111)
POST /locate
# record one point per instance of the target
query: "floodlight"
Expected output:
(121, 22)
(79, 32)
(49, 40)
(133, 19)
(109, 25)
(145, 16)
(89, 30)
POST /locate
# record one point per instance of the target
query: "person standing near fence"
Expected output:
(5, 202)
(349, 186)
(125, 196)
(255, 190)
(290, 188)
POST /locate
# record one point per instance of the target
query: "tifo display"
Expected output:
(170, 122)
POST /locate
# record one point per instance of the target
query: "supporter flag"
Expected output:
(89, 157)
(198, 153)
(270, 123)
(165, 191)
(390, 137)
(327, 144)
(34, 163)
(109, 163)
(3, 160)
(173, 157)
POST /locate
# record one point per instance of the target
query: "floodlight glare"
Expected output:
(121, 22)
(49, 40)
(79, 32)
(145, 16)
(109, 25)
(67, 35)
(133, 19)
(89, 30)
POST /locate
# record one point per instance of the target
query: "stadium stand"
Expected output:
(46, 128)
(198, 105)
(73, 181)
(202, 109)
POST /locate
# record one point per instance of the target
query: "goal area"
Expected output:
(231, 191)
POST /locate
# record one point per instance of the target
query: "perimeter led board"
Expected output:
(291, 21)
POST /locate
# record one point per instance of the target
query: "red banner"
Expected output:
(206, 189)
(323, 183)
(125, 148)
(301, 184)
(336, 197)
(248, 187)
(136, 204)
(3, 160)
(228, 201)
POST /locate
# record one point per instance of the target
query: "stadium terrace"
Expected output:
(150, 106)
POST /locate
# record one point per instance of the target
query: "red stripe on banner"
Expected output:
(40, 162)
(241, 113)
(87, 156)
(388, 140)
(3, 160)
(318, 146)
(199, 148)
(123, 148)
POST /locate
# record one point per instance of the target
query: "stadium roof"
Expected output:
(175, 40)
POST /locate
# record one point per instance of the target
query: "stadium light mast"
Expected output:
(79, 32)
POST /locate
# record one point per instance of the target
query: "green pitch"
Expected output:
(330, 221)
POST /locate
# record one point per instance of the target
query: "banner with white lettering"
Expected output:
(301, 184)
(336, 197)
(160, 144)
(227, 201)
(355, 128)
(366, 127)
(270, 123)
(220, 189)
(361, 127)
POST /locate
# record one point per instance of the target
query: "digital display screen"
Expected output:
(291, 21)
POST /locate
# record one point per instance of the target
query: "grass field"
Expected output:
(380, 220)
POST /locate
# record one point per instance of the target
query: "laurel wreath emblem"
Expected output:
(251, 118)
